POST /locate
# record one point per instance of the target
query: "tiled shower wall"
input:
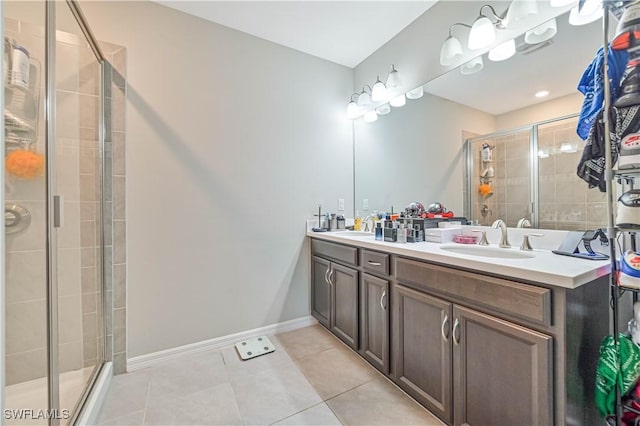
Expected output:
(565, 200)
(115, 207)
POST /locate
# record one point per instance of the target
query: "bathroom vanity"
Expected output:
(476, 340)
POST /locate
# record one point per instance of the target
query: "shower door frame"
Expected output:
(53, 210)
(534, 175)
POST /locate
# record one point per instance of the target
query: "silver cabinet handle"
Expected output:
(374, 263)
(445, 327)
(331, 271)
(384, 294)
(456, 330)
(326, 276)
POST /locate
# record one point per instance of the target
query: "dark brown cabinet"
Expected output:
(422, 352)
(334, 299)
(344, 303)
(491, 370)
(320, 291)
(502, 372)
(374, 327)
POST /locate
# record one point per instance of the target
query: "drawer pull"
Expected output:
(331, 276)
(374, 263)
(456, 331)
(326, 276)
(382, 305)
(445, 328)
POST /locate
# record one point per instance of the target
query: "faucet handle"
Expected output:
(525, 241)
(483, 238)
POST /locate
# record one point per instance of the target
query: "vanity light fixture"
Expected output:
(541, 33)
(451, 49)
(393, 80)
(483, 31)
(416, 93)
(519, 11)
(473, 66)
(398, 101)
(379, 91)
(364, 99)
(591, 11)
(370, 116)
(543, 153)
(541, 94)
(503, 51)
(353, 110)
(383, 109)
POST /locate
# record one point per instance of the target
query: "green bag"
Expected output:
(623, 371)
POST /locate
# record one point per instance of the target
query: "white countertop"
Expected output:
(544, 267)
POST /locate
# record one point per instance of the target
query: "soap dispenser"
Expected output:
(357, 222)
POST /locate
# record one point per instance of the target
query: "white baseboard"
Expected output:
(147, 360)
(91, 408)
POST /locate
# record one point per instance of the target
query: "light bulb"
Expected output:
(383, 109)
(415, 93)
(393, 80)
(541, 33)
(364, 100)
(352, 110)
(503, 51)
(576, 17)
(370, 116)
(482, 33)
(451, 51)
(473, 66)
(398, 101)
(379, 91)
(519, 12)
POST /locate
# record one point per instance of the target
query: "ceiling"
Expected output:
(344, 32)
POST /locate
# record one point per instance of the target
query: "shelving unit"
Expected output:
(612, 176)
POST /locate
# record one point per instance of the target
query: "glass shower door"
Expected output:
(77, 183)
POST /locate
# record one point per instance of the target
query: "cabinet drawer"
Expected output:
(344, 254)
(517, 300)
(374, 261)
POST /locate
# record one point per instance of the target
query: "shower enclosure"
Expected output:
(530, 173)
(54, 304)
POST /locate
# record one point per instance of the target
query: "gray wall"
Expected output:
(232, 141)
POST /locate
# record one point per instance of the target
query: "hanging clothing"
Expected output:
(591, 85)
(616, 366)
(591, 166)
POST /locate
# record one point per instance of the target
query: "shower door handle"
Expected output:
(58, 211)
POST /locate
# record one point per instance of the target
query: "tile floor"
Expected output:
(311, 379)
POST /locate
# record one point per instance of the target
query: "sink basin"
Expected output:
(493, 252)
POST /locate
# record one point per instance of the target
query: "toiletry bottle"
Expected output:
(378, 231)
(333, 223)
(357, 222)
(402, 234)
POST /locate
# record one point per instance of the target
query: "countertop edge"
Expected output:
(588, 270)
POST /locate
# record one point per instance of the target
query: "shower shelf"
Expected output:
(21, 109)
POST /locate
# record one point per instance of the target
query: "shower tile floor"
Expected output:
(311, 379)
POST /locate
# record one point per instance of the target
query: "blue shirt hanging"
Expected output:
(592, 87)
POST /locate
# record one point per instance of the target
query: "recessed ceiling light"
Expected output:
(542, 94)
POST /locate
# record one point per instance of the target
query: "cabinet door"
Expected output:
(374, 311)
(422, 352)
(320, 291)
(344, 298)
(502, 372)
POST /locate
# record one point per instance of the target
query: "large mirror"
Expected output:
(416, 153)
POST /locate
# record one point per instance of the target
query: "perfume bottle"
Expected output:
(402, 234)
(379, 231)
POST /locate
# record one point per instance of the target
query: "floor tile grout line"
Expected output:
(296, 413)
(146, 402)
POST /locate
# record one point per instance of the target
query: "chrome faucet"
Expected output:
(504, 238)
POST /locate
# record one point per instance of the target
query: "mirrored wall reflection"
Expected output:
(501, 178)
(501, 188)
